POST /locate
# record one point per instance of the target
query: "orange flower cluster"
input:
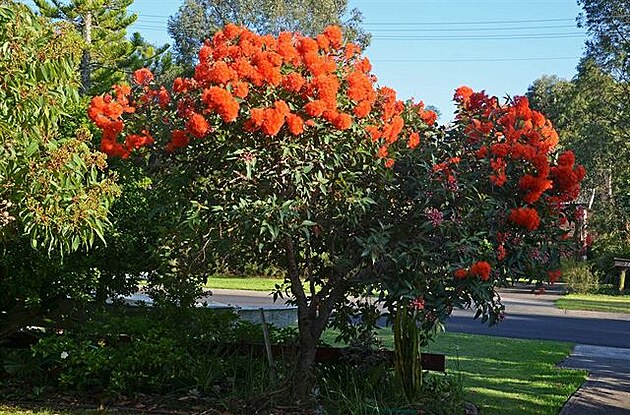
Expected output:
(525, 217)
(143, 76)
(274, 86)
(480, 269)
(566, 177)
(106, 113)
(239, 63)
(517, 135)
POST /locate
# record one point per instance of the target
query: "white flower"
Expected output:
(64, 355)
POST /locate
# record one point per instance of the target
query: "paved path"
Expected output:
(607, 388)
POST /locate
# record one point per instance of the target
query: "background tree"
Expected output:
(608, 24)
(108, 57)
(197, 20)
(589, 119)
(54, 194)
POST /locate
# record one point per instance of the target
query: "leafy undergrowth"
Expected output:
(595, 302)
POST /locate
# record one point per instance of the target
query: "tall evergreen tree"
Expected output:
(103, 25)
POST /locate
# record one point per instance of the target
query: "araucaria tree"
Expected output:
(285, 146)
(102, 25)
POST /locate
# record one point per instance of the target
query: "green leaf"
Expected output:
(31, 149)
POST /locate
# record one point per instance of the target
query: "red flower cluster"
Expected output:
(566, 177)
(525, 217)
(480, 269)
(518, 135)
(554, 275)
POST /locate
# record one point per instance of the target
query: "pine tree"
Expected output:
(103, 25)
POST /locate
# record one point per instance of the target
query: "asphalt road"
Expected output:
(609, 332)
(528, 316)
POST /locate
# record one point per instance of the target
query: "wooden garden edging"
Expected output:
(430, 361)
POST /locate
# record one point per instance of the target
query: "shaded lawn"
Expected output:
(506, 376)
(266, 284)
(595, 302)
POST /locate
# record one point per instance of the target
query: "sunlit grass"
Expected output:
(16, 410)
(238, 283)
(506, 376)
(595, 302)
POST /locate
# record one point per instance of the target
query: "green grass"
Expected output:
(16, 410)
(240, 283)
(595, 302)
(506, 376)
(266, 284)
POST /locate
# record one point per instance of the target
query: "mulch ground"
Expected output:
(79, 404)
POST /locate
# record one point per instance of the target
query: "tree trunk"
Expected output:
(85, 59)
(407, 352)
(304, 370)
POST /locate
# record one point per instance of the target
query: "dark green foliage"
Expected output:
(155, 351)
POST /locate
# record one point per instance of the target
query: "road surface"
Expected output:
(528, 316)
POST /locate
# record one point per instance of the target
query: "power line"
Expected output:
(474, 29)
(479, 22)
(483, 37)
(550, 58)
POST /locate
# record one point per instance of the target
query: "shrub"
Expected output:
(154, 351)
(579, 276)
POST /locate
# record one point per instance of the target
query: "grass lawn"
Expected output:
(506, 376)
(240, 283)
(14, 410)
(265, 284)
(595, 302)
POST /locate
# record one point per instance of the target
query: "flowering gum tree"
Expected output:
(285, 142)
(287, 148)
(469, 207)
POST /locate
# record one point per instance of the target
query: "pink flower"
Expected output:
(435, 216)
(417, 304)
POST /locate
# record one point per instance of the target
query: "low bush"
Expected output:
(152, 351)
(580, 277)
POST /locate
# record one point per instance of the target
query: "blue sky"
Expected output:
(427, 48)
